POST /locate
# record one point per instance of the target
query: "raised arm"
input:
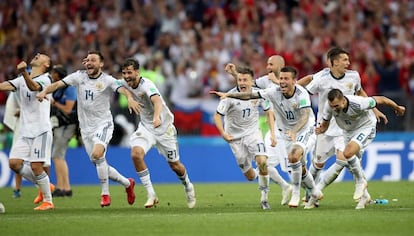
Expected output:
(241, 95)
(231, 69)
(31, 84)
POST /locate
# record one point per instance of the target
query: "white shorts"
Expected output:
(363, 137)
(166, 144)
(247, 148)
(33, 149)
(327, 146)
(278, 154)
(101, 136)
(305, 139)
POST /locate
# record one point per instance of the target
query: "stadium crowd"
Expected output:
(183, 45)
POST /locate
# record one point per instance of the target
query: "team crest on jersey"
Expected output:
(295, 105)
(99, 86)
(350, 85)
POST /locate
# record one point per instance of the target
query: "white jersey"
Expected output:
(287, 110)
(143, 93)
(356, 115)
(94, 96)
(241, 117)
(264, 82)
(34, 115)
(323, 82)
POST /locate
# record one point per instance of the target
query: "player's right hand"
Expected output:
(22, 66)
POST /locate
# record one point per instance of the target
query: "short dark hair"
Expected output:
(334, 53)
(245, 70)
(101, 57)
(335, 93)
(131, 62)
(290, 69)
(60, 70)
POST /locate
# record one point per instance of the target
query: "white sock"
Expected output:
(356, 169)
(308, 181)
(116, 176)
(264, 186)
(275, 177)
(43, 182)
(332, 173)
(27, 173)
(145, 178)
(102, 170)
(296, 176)
(185, 180)
(315, 171)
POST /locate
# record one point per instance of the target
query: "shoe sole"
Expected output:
(154, 204)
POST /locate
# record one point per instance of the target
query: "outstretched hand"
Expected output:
(134, 106)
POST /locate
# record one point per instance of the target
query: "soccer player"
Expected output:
(354, 115)
(64, 127)
(94, 91)
(156, 129)
(11, 120)
(274, 64)
(331, 142)
(34, 140)
(294, 126)
(241, 131)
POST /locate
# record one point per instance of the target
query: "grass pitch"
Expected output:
(222, 209)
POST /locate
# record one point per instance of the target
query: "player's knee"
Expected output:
(97, 154)
(319, 165)
(295, 154)
(15, 164)
(137, 154)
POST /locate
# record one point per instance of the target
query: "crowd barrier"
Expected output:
(209, 159)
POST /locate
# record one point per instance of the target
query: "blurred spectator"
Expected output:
(165, 35)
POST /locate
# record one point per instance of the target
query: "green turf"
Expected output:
(222, 209)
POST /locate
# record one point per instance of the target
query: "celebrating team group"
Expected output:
(94, 90)
(345, 125)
